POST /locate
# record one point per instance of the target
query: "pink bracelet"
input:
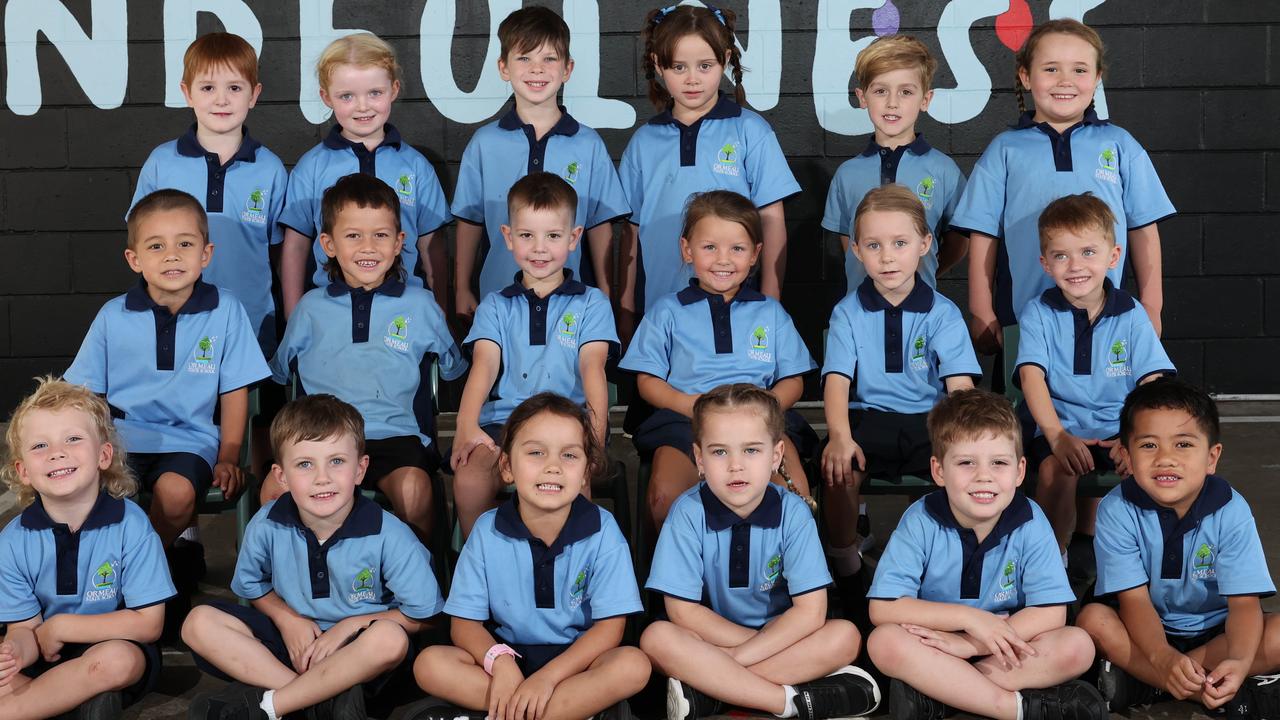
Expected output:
(495, 652)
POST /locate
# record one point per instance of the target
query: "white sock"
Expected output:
(846, 560)
(1017, 697)
(1064, 558)
(789, 709)
(191, 534)
(268, 705)
(862, 508)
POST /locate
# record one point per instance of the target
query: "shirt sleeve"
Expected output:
(842, 351)
(1033, 339)
(604, 197)
(252, 577)
(631, 175)
(981, 205)
(279, 192)
(242, 361)
(1148, 353)
(900, 572)
(612, 589)
(791, 355)
(449, 358)
(598, 325)
(18, 600)
(89, 368)
(468, 194)
(145, 577)
(469, 591)
(836, 217)
(1241, 565)
(1044, 580)
(650, 349)
(677, 560)
(766, 167)
(297, 336)
(431, 209)
(406, 571)
(487, 324)
(953, 350)
(1117, 547)
(804, 564)
(148, 180)
(1145, 200)
(302, 199)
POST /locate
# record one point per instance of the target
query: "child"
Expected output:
(678, 355)
(1059, 149)
(166, 355)
(764, 641)
(957, 629)
(542, 590)
(337, 587)
(359, 79)
(534, 135)
(700, 140)
(544, 331)
(895, 78)
(81, 630)
(906, 346)
(1084, 345)
(369, 337)
(1179, 555)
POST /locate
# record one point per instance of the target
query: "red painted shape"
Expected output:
(1014, 25)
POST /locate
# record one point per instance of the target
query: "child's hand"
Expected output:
(299, 634)
(950, 643)
(1223, 682)
(1072, 452)
(840, 459)
(229, 478)
(998, 638)
(48, 638)
(1118, 456)
(464, 303)
(9, 664)
(987, 334)
(530, 699)
(506, 678)
(467, 440)
(1183, 677)
(332, 639)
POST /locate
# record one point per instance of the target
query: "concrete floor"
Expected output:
(1249, 462)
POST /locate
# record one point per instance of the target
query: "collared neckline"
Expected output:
(204, 297)
(1017, 514)
(335, 141)
(694, 293)
(364, 519)
(1115, 303)
(566, 125)
(724, 108)
(1214, 495)
(919, 300)
(106, 511)
(1026, 120)
(582, 523)
(768, 514)
(189, 146)
(568, 286)
(919, 146)
(391, 285)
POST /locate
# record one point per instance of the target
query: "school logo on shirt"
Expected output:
(918, 353)
(759, 345)
(397, 337)
(727, 160)
(571, 172)
(567, 330)
(404, 188)
(102, 583)
(202, 363)
(255, 207)
(1108, 161)
(578, 591)
(1118, 359)
(1008, 582)
(1202, 563)
(362, 587)
(924, 190)
(772, 571)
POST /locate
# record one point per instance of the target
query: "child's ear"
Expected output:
(328, 245)
(257, 91)
(862, 98)
(1215, 454)
(568, 69)
(361, 468)
(697, 460)
(935, 469)
(395, 90)
(186, 94)
(928, 243)
(928, 98)
(400, 241)
(778, 450)
(574, 236)
(506, 235)
(1116, 252)
(131, 257)
(1024, 77)
(502, 70)
(324, 98)
(105, 453)
(686, 250)
(1022, 470)
(206, 254)
(504, 469)
(277, 474)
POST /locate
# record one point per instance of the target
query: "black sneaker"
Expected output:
(237, 701)
(846, 693)
(434, 708)
(1121, 691)
(187, 564)
(349, 705)
(1257, 699)
(103, 706)
(620, 711)
(1072, 700)
(908, 703)
(686, 703)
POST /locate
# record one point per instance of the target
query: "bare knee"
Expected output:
(631, 670)
(657, 639)
(1074, 653)
(113, 665)
(1100, 622)
(175, 495)
(385, 643)
(885, 645)
(841, 640)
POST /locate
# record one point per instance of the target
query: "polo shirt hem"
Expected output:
(913, 594)
(626, 613)
(828, 228)
(245, 385)
(798, 373)
(970, 230)
(647, 369)
(676, 595)
(467, 613)
(762, 204)
(257, 597)
(975, 376)
(632, 219)
(471, 342)
(1053, 603)
(1139, 226)
(1100, 592)
(806, 591)
(1162, 371)
(150, 603)
(837, 372)
(434, 229)
(1252, 593)
(615, 218)
(7, 621)
(290, 227)
(467, 220)
(417, 618)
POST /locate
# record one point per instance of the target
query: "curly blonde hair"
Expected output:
(54, 394)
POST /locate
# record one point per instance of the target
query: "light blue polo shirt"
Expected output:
(504, 151)
(1090, 367)
(540, 339)
(244, 199)
(929, 173)
(373, 563)
(1029, 166)
(729, 148)
(931, 557)
(1191, 564)
(371, 348)
(163, 374)
(422, 206)
(540, 595)
(113, 562)
(898, 357)
(748, 568)
(695, 341)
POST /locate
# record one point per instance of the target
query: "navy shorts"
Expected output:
(894, 444)
(390, 454)
(1038, 451)
(272, 396)
(1186, 643)
(535, 657)
(668, 428)
(148, 467)
(129, 695)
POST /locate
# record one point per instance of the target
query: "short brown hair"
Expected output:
(542, 191)
(315, 417)
(1067, 26)
(895, 52)
(358, 49)
(549, 402)
(1077, 214)
(891, 198)
(54, 394)
(739, 397)
(726, 205)
(164, 200)
(363, 191)
(664, 27)
(529, 28)
(220, 49)
(970, 414)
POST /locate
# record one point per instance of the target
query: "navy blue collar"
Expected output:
(768, 514)
(204, 297)
(1214, 495)
(919, 146)
(335, 141)
(1026, 121)
(694, 293)
(1015, 516)
(724, 108)
(568, 286)
(919, 300)
(582, 523)
(189, 146)
(106, 511)
(391, 285)
(365, 518)
(1117, 302)
(566, 125)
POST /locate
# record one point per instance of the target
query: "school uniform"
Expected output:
(729, 148)
(898, 359)
(395, 162)
(1090, 367)
(1030, 165)
(163, 374)
(748, 569)
(243, 199)
(539, 599)
(506, 150)
(113, 561)
(930, 174)
(932, 557)
(1190, 565)
(695, 341)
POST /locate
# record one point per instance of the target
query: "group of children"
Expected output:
(969, 600)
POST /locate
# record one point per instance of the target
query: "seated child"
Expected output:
(546, 331)
(956, 629)
(337, 586)
(81, 630)
(1075, 389)
(369, 338)
(1182, 568)
(542, 590)
(906, 346)
(763, 641)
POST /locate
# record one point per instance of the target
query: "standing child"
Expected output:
(369, 337)
(535, 135)
(545, 331)
(82, 574)
(764, 642)
(542, 590)
(895, 79)
(359, 80)
(969, 598)
(717, 330)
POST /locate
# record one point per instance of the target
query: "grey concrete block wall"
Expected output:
(1196, 81)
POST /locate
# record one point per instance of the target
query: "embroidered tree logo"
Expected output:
(404, 184)
(1006, 581)
(919, 348)
(364, 580)
(255, 200)
(1117, 352)
(760, 338)
(579, 584)
(1108, 159)
(727, 152)
(105, 572)
(1204, 556)
(571, 172)
(925, 188)
(773, 568)
(399, 326)
(569, 321)
(206, 346)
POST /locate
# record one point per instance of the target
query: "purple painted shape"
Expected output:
(886, 19)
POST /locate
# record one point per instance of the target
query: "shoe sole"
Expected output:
(677, 704)
(1107, 685)
(856, 671)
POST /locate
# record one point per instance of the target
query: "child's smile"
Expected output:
(721, 253)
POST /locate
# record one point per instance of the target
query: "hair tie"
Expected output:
(664, 12)
(719, 15)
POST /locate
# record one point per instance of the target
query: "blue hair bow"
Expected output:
(664, 12)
